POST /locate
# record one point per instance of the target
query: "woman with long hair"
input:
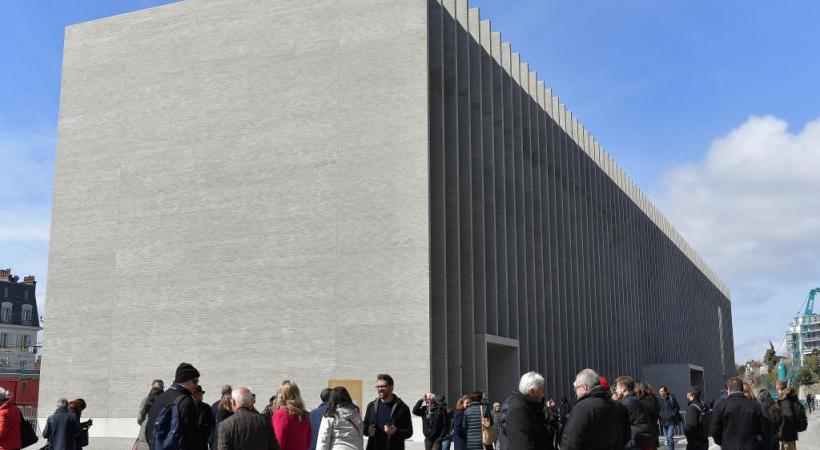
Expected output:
(291, 421)
(341, 427)
(651, 406)
(458, 422)
(771, 420)
(77, 406)
(223, 410)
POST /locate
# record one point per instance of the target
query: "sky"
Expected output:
(712, 107)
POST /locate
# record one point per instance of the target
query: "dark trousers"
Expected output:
(432, 445)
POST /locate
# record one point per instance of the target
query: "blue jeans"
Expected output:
(669, 432)
(445, 444)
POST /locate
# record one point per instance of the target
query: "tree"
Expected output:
(770, 358)
(804, 376)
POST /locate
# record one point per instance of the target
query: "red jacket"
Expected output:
(10, 426)
(292, 433)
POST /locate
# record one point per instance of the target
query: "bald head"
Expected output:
(242, 398)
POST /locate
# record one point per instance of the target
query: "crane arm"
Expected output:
(810, 304)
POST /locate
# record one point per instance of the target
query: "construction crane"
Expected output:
(799, 335)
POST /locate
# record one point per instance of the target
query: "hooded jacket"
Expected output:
(10, 418)
(343, 431)
(399, 416)
(191, 433)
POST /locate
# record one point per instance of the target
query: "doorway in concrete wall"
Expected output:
(696, 378)
(502, 370)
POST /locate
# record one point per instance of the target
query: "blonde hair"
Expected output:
(289, 399)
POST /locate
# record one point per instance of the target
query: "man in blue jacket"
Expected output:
(62, 428)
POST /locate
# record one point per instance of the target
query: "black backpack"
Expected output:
(802, 419)
(704, 419)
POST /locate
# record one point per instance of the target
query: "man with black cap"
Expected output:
(186, 380)
(205, 418)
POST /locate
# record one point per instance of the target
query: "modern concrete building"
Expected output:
(327, 190)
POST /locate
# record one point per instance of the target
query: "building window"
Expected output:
(22, 363)
(27, 314)
(26, 341)
(5, 340)
(5, 292)
(25, 294)
(5, 312)
(4, 361)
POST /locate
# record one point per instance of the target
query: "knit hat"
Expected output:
(185, 372)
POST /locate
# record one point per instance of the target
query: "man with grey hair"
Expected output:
(62, 428)
(246, 429)
(433, 421)
(524, 424)
(596, 421)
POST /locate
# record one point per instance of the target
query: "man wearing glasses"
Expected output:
(387, 421)
(596, 421)
(186, 380)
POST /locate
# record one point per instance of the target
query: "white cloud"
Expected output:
(751, 208)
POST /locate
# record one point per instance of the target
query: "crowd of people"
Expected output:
(625, 415)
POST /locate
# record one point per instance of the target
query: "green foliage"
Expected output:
(804, 376)
(770, 358)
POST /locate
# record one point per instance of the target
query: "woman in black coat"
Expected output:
(697, 437)
(459, 442)
(788, 412)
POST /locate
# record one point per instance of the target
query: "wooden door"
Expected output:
(354, 388)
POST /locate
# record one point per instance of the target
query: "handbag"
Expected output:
(488, 433)
(27, 434)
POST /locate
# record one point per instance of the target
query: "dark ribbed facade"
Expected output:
(539, 243)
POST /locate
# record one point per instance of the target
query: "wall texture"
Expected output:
(538, 236)
(240, 184)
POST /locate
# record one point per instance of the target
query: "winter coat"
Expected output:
(524, 424)
(206, 423)
(315, 421)
(736, 423)
(652, 408)
(459, 443)
(670, 411)
(220, 414)
(399, 417)
(641, 434)
(246, 430)
(292, 432)
(433, 420)
(471, 426)
(697, 437)
(10, 418)
(343, 431)
(767, 440)
(788, 410)
(596, 422)
(61, 430)
(189, 421)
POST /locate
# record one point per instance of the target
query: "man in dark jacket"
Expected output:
(185, 381)
(205, 417)
(669, 416)
(62, 428)
(524, 424)
(246, 430)
(596, 421)
(736, 422)
(788, 414)
(433, 421)
(387, 419)
(641, 435)
(694, 426)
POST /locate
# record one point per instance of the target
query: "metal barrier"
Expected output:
(30, 413)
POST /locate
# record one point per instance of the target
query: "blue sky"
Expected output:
(712, 107)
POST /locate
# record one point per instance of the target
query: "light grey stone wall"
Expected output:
(242, 185)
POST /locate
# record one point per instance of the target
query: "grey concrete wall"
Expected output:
(542, 239)
(243, 185)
